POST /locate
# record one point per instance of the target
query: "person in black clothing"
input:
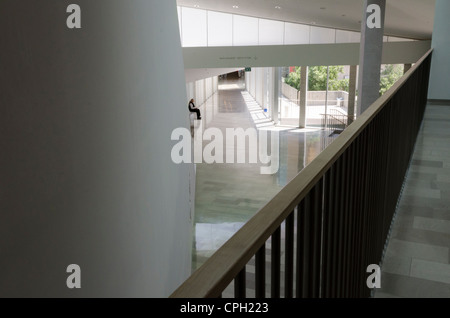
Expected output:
(194, 109)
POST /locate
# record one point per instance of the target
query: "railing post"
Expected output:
(327, 234)
(240, 284)
(275, 263)
(302, 242)
(260, 273)
(289, 261)
(315, 197)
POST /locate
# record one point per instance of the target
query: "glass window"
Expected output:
(245, 30)
(194, 27)
(271, 32)
(322, 35)
(296, 34)
(220, 29)
(347, 36)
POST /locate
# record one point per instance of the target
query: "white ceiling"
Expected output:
(404, 18)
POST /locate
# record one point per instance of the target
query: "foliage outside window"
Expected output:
(389, 75)
(317, 79)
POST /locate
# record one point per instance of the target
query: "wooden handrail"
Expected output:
(224, 265)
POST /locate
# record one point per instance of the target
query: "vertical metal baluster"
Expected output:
(240, 285)
(275, 263)
(260, 273)
(340, 226)
(327, 235)
(300, 277)
(316, 224)
(347, 222)
(335, 230)
(366, 207)
(353, 215)
(289, 266)
(307, 230)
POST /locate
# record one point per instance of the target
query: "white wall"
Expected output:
(201, 90)
(440, 66)
(258, 85)
(209, 87)
(210, 28)
(299, 55)
(195, 74)
(86, 175)
(190, 89)
(253, 80)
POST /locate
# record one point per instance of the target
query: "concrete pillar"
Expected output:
(370, 54)
(406, 67)
(352, 92)
(85, 163)
(274, 92)
(303, 95)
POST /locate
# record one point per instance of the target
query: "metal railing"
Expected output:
(335, 124)
(336, 213)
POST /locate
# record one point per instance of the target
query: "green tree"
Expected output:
(317, 78)
(293, 78)
(389, 76)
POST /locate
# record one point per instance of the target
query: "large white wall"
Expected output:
(299, 55)
(260, 84)
(199, 27)
(86, 175)
(201, 90)
(195, 74)
(440, 66)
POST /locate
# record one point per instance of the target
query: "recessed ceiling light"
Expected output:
(235, 7)
(277, 7)
(196, 6)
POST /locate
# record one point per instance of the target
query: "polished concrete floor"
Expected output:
(228, 195)
(417, 259)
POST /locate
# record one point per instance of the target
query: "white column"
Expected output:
(371, 50)
(86, 175)
(303, 95)
(274, 94)
(352, 92)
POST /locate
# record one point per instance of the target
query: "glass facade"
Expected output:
(202, 28)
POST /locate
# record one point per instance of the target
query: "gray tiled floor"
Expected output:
(417, 258)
